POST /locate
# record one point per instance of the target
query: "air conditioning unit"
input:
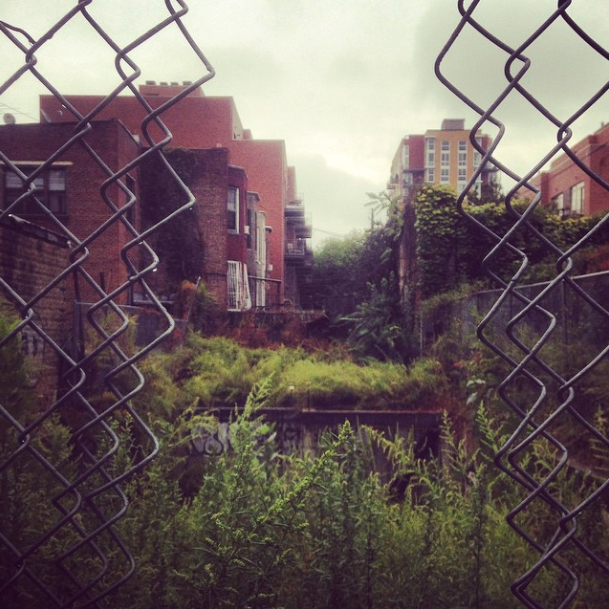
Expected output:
(269, 268)
(246, 229)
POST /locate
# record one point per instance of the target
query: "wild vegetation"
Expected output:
(260, 529)
(447, 251)
(252, 527)
(219, 372)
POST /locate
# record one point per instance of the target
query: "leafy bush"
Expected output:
(450, 248)
(321, 531)
(313, 531)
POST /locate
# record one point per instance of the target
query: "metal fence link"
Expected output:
(86, 499)
(547, 403)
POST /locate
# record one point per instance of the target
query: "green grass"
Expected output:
(218, 372)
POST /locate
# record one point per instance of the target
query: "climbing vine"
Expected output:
(179, 244)
(450, 249)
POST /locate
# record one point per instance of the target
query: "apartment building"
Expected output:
(71, 189)
(573, 184)
(202, 122)
(443, 156)
(213, 242)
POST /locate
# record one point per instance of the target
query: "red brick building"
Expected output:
(71, 189)
(200, 122)
(74, 188)
(568, 187)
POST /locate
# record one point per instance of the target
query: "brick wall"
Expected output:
(194, 243)
(30, 259)
(200, 122)
(86, 208)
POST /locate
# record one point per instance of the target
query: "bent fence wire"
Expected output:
(75, 558)
(541, 393)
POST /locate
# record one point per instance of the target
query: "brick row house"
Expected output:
(245, 208)
(570, 189)
(262, 267)
(70, 189)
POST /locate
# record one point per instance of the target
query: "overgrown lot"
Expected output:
(217, 371)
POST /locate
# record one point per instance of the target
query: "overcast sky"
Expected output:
(341, 81)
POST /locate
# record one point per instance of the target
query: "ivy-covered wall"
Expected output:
(194, 243)
(451, 248)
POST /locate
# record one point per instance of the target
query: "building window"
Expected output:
(430, 152)
(577, 199)
(462, 153)
(50, 192)
(444, 175)
(461, 179)
(233, 209)
(559, 204)
(477, 155)
(430, 175)
(445, 158)
(406, 156)
(239, 297)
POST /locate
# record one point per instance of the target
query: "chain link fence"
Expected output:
(548, 373)
(74, 558)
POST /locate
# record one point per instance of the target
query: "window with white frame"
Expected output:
(232, 207)
(50, 191)
(430, 152)
(247, 295)
(430, 175)
(406, 156)
(445, 157)
(239, 297)
(444, 175)
(462, 153)
(577, 199)
(559, 204)
(461, 179)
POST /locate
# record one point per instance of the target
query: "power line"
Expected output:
(4, 106)
(327, 232)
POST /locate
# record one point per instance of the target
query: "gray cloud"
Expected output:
(340, 81)
(564, 71)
